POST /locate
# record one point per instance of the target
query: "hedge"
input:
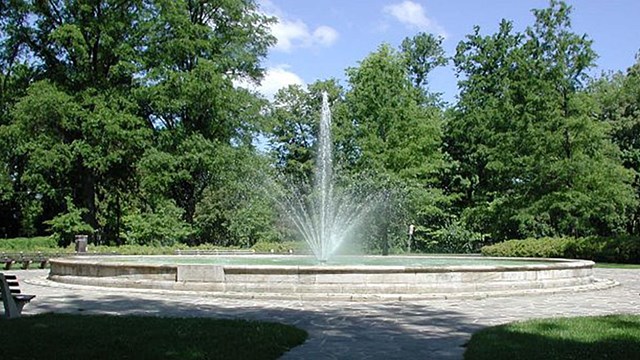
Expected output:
(622, 249)
(42, 243)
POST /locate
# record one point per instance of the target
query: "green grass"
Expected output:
(580, 338)
(64, 336)
(617, 266)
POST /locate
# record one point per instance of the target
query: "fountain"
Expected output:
(325, 219)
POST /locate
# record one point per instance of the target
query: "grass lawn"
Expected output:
(580, 338)
(617, 266)
(64, 336)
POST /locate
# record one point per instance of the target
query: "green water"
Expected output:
(309, 260)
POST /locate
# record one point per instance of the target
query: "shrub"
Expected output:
(280, 247)
(623, 249)
(163, 227)
(65, 226)
(453, 239)
(132, 249)
(43, 243)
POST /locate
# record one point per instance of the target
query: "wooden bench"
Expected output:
(12, 298)
(24, 260)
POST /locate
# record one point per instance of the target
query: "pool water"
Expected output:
(294, 260)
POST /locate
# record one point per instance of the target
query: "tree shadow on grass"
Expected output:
(609, 337)
(336, 330)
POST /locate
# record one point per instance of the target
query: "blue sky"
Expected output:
(318, 40)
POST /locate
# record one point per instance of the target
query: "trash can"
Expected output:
(81, 243)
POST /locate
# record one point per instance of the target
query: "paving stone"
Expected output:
(431, 329)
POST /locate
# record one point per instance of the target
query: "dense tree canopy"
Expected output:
(534, 159)
(123, 120)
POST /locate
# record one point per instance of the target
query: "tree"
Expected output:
(618, 97)
(535, 161)
(294, 121)
(195, 51)
(76, 133)
(422, 53)
(397, 139)
(114, 86)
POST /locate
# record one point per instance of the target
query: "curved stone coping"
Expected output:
(80, 284)
(331, 281)
(111, 260)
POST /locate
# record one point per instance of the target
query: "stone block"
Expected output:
(200, 273)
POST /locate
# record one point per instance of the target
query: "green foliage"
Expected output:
(603, 337)
(40, 243)
(543, 247)
(124, 120)
(132, 249)
(65, 226)
(422, 53)
(281, 247)
(236, 212)
(396, 140)
(82, 129)
(531, 155)
(126, 337)
(453, 239)
(618, 98)
(162, 226)
(622, 249)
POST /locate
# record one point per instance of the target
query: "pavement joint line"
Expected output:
(425, 329)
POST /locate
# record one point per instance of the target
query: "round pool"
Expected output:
(343, 278)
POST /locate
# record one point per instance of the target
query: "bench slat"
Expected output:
(13, 300)
(23, 297)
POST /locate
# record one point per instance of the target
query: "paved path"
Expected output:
(434, 329)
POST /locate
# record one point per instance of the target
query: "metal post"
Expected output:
(81, 243)
(412, 229)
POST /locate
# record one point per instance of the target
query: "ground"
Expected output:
(434, 329)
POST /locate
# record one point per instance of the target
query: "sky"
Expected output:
(319, 40)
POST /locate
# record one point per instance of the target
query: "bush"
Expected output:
(280, 247)
(453, 239)
(43, 243)
(623, 249)
(162, 227)
(66, 225)
(150, 249)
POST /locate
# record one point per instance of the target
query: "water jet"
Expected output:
(325, 220)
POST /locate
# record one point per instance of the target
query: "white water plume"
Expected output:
(326, 215)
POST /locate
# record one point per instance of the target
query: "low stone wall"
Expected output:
(90, 268)
(314, 282)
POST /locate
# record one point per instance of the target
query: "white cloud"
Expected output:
(292, 33)
(275, 79)
(413, 15)
(325, 35)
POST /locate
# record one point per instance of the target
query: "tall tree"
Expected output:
(117, 87)
(75, 134)
(396, 138)
(618, 97)
(538, 163)
(422, 53)
(294, 126)
(195, 49)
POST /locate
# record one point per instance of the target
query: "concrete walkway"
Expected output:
(435, 329)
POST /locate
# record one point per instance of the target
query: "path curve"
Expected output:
(433, 329)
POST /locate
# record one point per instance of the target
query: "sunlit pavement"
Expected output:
(433, 329)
